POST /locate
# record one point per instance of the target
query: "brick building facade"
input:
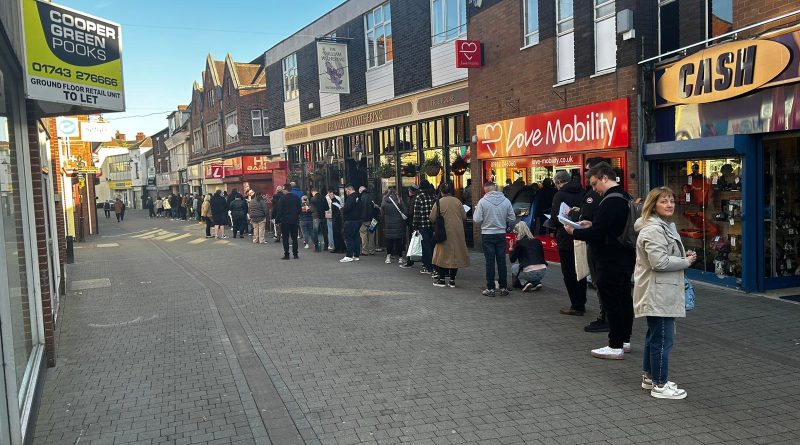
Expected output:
(230, 126)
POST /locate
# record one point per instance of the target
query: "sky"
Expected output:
(165, 44)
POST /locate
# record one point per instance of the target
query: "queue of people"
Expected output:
(434, 218)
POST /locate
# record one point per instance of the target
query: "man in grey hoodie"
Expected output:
(494, 213)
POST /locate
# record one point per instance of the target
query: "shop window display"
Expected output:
(709, 211)
(21, 304)
(781, 208)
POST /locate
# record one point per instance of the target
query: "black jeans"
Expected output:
(289, 231)
(352, 238)
(593, 269)
(394, 247)
(494, 251)
(446, 272)
(209, 224)
(427, 248)
(239, 225)
(614, 289)
(321, 226)
(576, 289)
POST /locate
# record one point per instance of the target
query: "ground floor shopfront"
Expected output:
(259, 173)
(733, 161)
(522, 156)
(29, 253)
(397, 143)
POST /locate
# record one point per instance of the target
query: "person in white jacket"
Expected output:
(494, 213)
(658, 294)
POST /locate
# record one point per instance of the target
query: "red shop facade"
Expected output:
(245, 173)
(517, 153)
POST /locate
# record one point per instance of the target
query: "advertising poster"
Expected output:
(72, 58)
(332, 64)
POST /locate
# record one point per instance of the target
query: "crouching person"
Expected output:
(527, 257)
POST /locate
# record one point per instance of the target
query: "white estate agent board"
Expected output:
(72, 58)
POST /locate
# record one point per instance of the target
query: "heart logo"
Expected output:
(468, 49)
(492, 133)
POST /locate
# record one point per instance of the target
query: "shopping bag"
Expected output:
(688, 293)
(414, 251)
(581, 260)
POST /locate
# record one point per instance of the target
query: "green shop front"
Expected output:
(727, 141)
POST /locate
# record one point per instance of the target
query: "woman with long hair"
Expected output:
(450, 255)
(394, 224)
(529, 265)
(658, 294)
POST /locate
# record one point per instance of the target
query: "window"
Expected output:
(449, 19)
(212, 131)
(211, 97)
(668, 24)
(230, 120)
(531, 22)
(565, 44)
(118, 167)
(197, 139)
(605, 35)
(260, 122)
(255, 118)
(720, 17)
(290, 89)
(378, 27)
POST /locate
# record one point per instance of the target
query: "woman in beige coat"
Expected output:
(658, 293)
(452, 254)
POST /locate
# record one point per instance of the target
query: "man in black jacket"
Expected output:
(289, 215)
(276, 198)
(238, 208)
(352, 214)
(320, 205)
(569, 193)
(368, 208)
(616, 261)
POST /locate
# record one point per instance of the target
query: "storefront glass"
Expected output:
(708, 214)
(13, 253)
(781, 207)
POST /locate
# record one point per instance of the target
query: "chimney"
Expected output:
(120, 136)
(140, 136)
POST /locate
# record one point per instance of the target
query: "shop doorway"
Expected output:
(781, 212)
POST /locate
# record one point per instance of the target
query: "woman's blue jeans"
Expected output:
(309, 234)
(657, 346)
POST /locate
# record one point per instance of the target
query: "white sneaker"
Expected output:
(609, 353)
(626, 347)
(648, 383)
(305, 247)
(668, 391)
(357, 259)
(388, 259)
(346, 259)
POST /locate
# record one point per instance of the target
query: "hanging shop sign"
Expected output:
(214, 171)
(597, 126)
(96, 131)
(729, 70)
(332, 64)
(71, 57)
(468, 53)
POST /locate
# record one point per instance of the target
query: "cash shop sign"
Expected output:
(72, 58)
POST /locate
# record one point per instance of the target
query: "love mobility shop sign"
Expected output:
(597, 126)
(71, 57)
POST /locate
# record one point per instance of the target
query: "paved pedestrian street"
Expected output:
(169, 337)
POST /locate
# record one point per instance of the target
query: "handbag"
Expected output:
(581, 259)
(688, 293)
(414, 251)
(439, 231)
(403, 215)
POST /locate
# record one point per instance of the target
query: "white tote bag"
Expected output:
(581, 260)
(415, 247)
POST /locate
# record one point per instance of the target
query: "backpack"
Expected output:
(628, 236)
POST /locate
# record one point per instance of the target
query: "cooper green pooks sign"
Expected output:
(72, 58)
